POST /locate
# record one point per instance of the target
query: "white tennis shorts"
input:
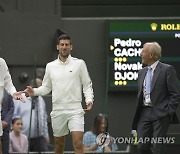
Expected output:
(64, 121)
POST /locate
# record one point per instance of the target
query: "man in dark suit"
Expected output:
(6, 118)
(157, 102)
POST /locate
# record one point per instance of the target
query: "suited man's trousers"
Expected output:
(151, 130)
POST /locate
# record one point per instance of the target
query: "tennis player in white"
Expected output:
(6, 83)
(66, 77)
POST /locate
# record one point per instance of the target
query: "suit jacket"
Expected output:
(165, 93)
(7, 110)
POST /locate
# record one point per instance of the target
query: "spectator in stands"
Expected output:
(92, 139)
(18, 141)
(34, 116)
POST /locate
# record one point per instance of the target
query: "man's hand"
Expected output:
(47, 139)
(89, 107)
(18, 96)
(29, 92)
(4, 124)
